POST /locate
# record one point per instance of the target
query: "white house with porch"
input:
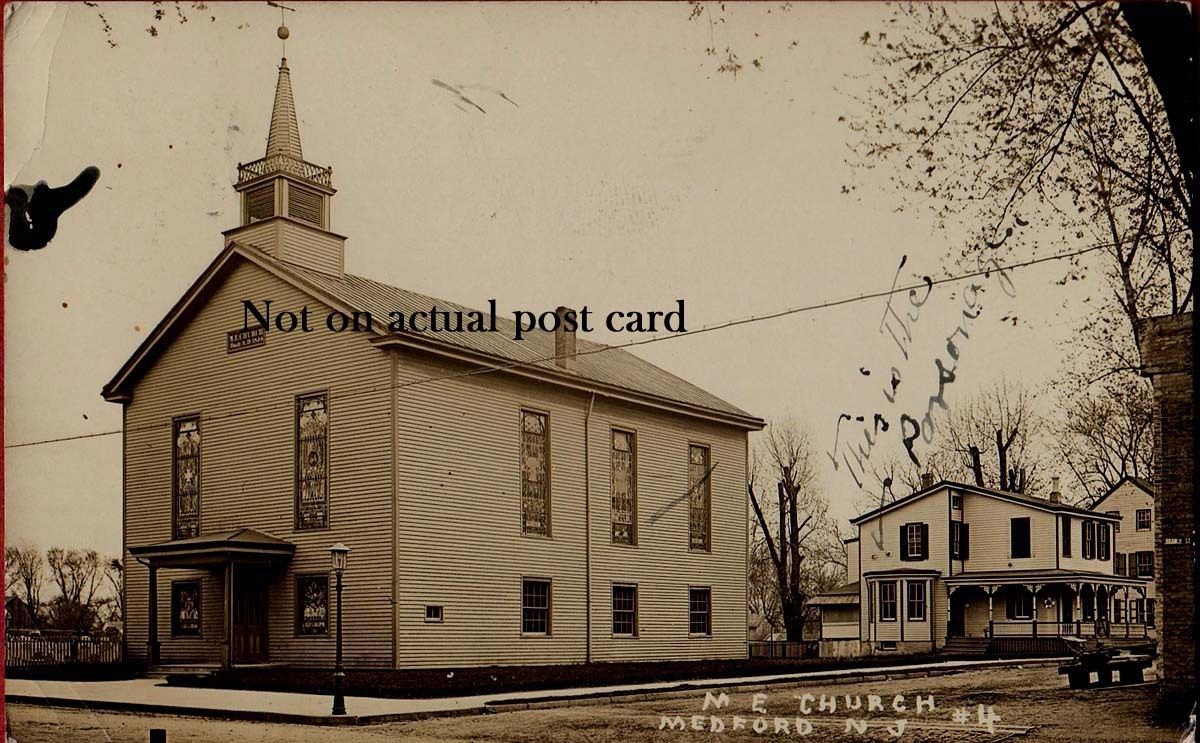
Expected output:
(962, 568)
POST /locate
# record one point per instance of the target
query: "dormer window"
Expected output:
(260, 203)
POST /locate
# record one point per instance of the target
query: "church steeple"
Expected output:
(284, 137)
(285, 198)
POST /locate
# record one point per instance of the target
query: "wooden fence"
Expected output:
(26, 648)
(780, 649)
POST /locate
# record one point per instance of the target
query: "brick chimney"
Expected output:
(926, 480)
(564, 340)
(1055, 495)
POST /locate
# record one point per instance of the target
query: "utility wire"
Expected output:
(601, 348)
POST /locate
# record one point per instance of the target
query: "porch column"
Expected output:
(1126, 600)
(152, 655)
(1034, 614)
(1079, 607)
(949, 599)
(991, 627)
(227, 617)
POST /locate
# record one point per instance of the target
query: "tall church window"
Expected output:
(699, 498)
(624, 488)
(312, 462)
(185, 486)
(535, 473)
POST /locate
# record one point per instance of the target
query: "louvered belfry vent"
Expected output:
(304, 204)
(260, 203)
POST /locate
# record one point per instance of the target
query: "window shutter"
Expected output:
(924, 541)
(904, 542)
(964, 550)
(1066, 536)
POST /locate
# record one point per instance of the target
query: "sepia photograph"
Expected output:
(599, 371)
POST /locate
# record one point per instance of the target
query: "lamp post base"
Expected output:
(339, 700)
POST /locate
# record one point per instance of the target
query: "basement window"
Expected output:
(886, 645)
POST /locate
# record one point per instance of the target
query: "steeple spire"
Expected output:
(285, 198)
(284, 137)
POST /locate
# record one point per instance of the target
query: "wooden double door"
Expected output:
(249, 613)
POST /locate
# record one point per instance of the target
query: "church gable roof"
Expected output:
(600, 368)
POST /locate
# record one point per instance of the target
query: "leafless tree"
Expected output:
(797, 545)
(1071, 114)
(994, 439)
(25, 571)
(1107, 434)
(113, 605)
(79, 575)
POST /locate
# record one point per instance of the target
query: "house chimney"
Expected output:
(564, 338)
(1055, 496)
(926, 480)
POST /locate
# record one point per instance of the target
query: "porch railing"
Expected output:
(24, 648)
(1079, 628)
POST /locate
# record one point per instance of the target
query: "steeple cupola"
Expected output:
(284, 198)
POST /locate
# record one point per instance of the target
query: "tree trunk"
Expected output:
(977, 466)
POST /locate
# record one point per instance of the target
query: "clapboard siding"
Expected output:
(310, 247)
(459, 537)
(247, 465)
(991, 534)
(661, 564)
(1126, 499)
(262, 235)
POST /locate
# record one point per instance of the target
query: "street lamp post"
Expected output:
(338, 554)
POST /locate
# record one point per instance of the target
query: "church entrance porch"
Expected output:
(227, 570)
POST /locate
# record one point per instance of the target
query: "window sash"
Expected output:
(1089, 540)
(535, 473)
(624, 609)
(312, 461)
(535, 607)
(1020, 605)
(887, 601)
(700, 611)
(699, 497)
(624, 487)
(912, 540)
(185, 479)
(1145, 564)
(916, 602)
(1142, 519)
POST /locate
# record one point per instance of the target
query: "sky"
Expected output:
(606, 161)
